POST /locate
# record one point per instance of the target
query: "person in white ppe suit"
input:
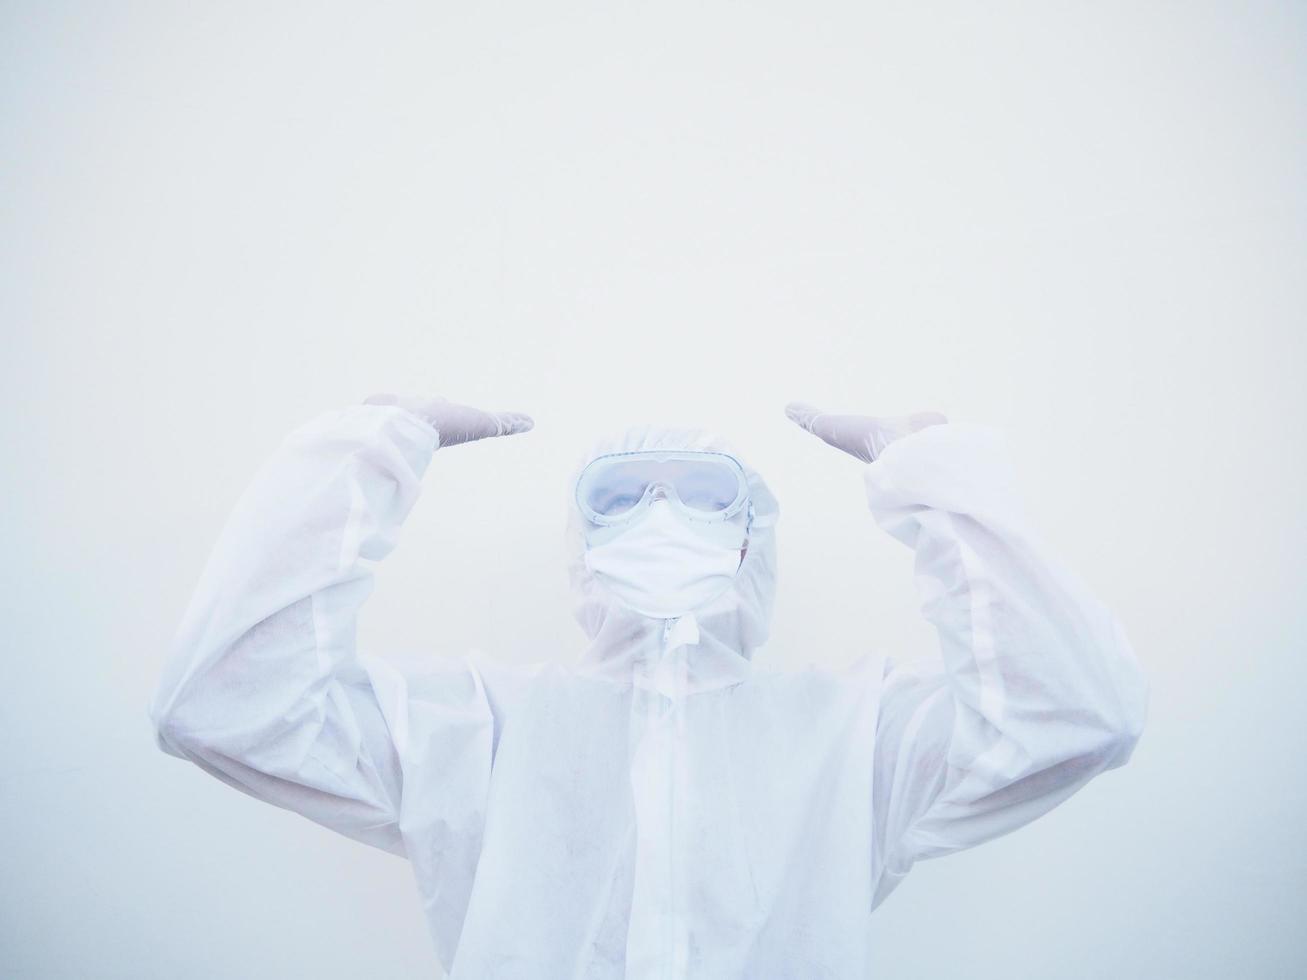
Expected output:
(664, 807)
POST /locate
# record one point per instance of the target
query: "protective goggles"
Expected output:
(707, 487)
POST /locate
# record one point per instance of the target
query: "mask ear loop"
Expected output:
(748, 536)
(760, 520)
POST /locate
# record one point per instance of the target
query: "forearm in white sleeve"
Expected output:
(263, 687)
(1036, 689)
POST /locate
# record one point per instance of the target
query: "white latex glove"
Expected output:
(863, 436)
(457, 423)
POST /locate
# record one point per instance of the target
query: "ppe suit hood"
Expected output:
(720, 637)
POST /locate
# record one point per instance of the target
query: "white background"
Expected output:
(1081, 223)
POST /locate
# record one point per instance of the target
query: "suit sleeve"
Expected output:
(1036, 689)
(264, 688)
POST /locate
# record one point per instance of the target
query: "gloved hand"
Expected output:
(863, 436)
(458, 423)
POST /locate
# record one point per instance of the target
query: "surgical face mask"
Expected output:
(663, 566)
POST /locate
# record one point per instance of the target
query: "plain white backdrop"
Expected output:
(1082, 223)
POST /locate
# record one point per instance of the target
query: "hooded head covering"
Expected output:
(626, 646)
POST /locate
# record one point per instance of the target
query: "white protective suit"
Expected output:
(663, 808)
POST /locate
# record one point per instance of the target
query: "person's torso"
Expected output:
(725, 835)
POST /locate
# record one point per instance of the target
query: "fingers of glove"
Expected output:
(511, 423)
(457, 423)
(802, 414)
(848, 433)
(862, 436)
(855, 434)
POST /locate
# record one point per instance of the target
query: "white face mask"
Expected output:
(662, 567)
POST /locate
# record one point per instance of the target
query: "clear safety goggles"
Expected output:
(707, 487)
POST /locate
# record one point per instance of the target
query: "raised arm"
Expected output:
(263, 688)
(1036, 689)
